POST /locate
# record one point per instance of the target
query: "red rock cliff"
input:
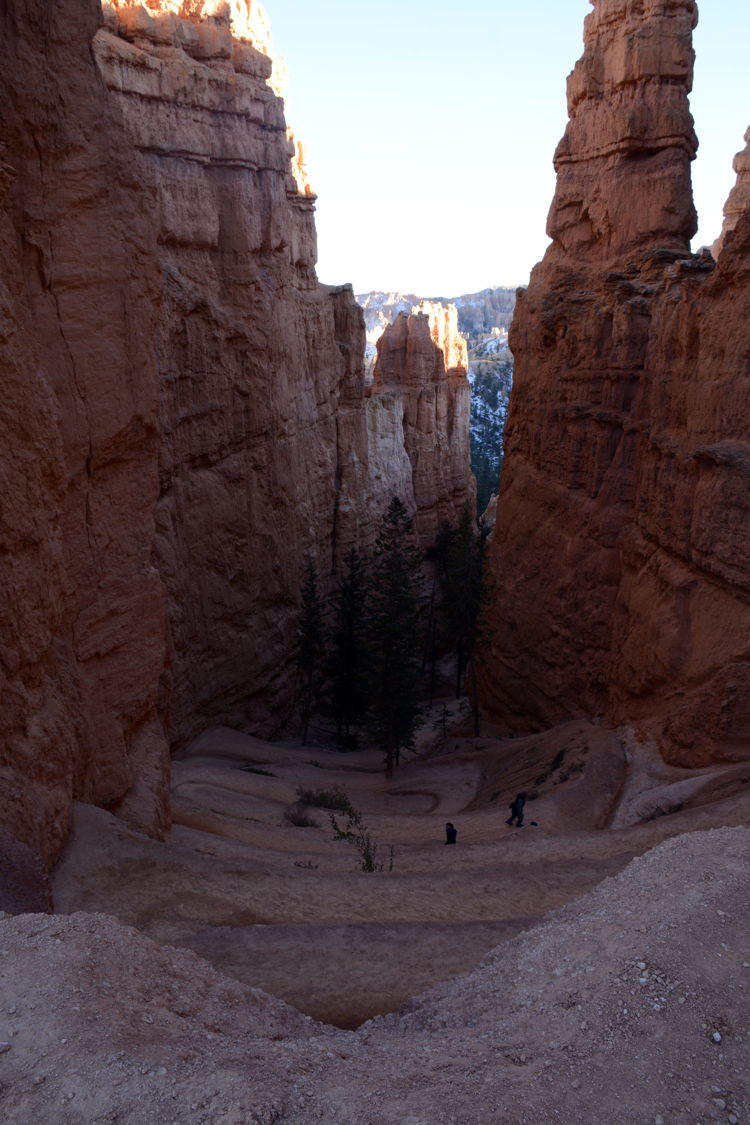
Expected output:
(254, 356)
(83, 629)
(622, 549)
(185, 413)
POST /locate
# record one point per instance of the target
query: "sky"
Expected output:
(431, 125)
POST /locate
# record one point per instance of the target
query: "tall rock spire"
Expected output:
(623, 166)
(620, 554)
(738, 202)
(422, 361)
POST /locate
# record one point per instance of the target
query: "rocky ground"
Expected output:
(603, 949)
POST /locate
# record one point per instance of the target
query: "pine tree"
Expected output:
(348, 648)
(460, 560)
(310, 645)
(393, 674)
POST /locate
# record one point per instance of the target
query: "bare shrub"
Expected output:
(354, 832)
(298, 815)
(335, 799)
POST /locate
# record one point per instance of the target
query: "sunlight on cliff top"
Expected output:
(159, 21)
(247, 19)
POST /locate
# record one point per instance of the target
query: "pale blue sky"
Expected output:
(431, 126)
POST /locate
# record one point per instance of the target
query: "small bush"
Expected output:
(297, 815)
(355, 833)
(335, 799)
(258, 770)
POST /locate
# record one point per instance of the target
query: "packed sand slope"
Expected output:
(628, 1005)
(285, 909)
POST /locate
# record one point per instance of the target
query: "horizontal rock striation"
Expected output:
(185, 415)
(268, 451)
(83, 628)
(622, 549)
(623, 166)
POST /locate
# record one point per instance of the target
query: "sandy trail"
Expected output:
(285, 909)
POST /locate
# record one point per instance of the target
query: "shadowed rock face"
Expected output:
(169, 411)
(623, 542)
(83, 629)
(24, 886)
(254, 356)
(184, 414)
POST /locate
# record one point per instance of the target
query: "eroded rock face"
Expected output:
(623, 166)
(261, 377)
(83, 631)
(184, 416)
(622, 544)
(422, 363)
(739, 197)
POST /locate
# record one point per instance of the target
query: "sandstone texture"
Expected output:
(185, 415)
(621, 553)
(628, 1006)
(83, 639)
(623, 166)
(738, 202)
(269, 450)
(253, 355)
(422, 363)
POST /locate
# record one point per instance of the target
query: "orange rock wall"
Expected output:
(83, 628)
(184, 416)
(250, 368)
(621, 550)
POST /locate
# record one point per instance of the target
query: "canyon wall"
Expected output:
(83, 629)
(185, 416)
(254, 356)
(620, 559)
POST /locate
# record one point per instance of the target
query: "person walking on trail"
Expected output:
(516, 810)
(450, 833)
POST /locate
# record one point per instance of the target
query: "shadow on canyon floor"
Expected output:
(284, 908)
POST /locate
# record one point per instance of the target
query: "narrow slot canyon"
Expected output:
(260, 861)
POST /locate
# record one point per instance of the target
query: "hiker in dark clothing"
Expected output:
(516, 810)
(450, 833)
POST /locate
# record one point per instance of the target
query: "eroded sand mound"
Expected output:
(626, 1007)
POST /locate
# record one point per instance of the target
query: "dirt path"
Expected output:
(629, 1005)
(285, 909)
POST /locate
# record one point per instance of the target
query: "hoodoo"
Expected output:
(622, 545)
(423, 361)
(738, 202)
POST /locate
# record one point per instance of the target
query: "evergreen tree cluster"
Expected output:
(364, 653)
(460, 557)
